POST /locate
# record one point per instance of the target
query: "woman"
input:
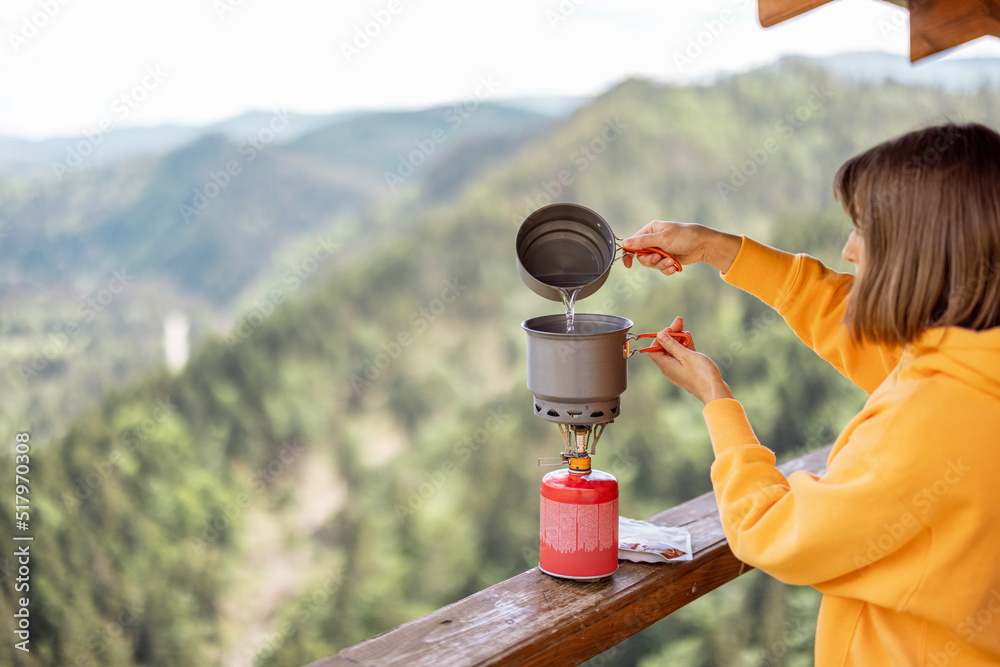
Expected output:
(902, 532)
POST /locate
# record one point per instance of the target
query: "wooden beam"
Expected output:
(939, 25)
(935, 25)
(773, 12)
(534, 619)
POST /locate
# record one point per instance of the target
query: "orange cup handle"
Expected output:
(684, 338)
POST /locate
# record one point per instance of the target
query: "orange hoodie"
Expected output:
(902, 532)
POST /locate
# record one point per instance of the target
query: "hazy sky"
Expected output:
(68, 65)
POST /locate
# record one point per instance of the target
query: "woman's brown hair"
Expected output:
(927, 207)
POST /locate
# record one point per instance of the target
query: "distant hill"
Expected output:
(953, 76)
(554, 106)
(205, 217)
(24, 159)
(20, 158)
(396, 145)
(209, 216)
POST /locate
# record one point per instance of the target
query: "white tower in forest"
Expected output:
(176, 346)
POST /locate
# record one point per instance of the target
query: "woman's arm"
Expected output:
(807, 530)
(813, 300)
(811, 297)
(803, 529)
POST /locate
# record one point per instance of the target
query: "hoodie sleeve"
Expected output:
(809, 530)
(812, 299)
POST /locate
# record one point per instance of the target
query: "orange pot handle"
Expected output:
(647, 251)
(684, 338)
(659, 251)
(653, 251)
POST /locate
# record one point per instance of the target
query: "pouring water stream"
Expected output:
(569, 300)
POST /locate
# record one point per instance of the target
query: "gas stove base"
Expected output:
(591, 578)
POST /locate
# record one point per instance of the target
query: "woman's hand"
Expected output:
(692, 371)
(687, 242)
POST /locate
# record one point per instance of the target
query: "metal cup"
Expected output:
(564, 247)
(567, 247)
(585, 367)
(578, 378)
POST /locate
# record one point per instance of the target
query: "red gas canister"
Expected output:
(579, 524)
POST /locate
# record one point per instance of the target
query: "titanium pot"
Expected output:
(568, 247)
(579, 377)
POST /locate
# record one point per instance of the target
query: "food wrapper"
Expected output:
(645, 542)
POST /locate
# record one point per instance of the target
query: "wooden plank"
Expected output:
(534, 619)
(939, 25)
(935, 25)
(773, 12)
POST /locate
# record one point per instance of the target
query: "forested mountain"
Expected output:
(954, 76)
(206, 216)
(355, 454)
(197, 230)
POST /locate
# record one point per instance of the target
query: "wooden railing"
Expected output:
(535, 619)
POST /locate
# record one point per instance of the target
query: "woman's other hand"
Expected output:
(690, 370)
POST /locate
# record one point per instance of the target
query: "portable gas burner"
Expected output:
(577, 372)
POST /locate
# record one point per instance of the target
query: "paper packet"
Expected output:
(645, 542)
